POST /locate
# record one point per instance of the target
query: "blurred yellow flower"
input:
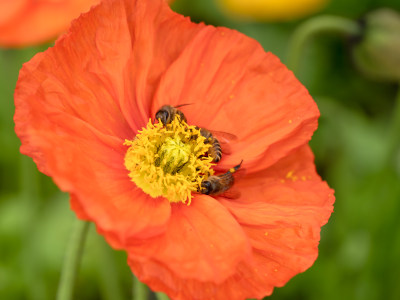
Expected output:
(272, 10)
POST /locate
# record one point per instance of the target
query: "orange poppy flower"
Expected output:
(82, 113)
(30, 22)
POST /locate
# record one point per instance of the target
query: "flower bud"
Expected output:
(376, 52)
(272, 10)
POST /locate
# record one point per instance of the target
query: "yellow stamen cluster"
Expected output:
(168, 161)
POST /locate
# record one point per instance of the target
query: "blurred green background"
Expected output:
(356, 151)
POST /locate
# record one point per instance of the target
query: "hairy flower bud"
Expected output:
(377, 52)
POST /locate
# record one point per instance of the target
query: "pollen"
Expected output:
(169, 161)
(290, 175)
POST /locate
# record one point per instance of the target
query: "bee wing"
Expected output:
(232, 194)
(224, 136)
(224, 139)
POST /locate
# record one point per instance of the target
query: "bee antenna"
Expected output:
(185, 104)
(238, 166)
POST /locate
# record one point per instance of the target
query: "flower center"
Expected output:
(169, 161)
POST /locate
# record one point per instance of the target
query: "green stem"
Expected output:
(72, 261)
(109, 279)
(394, 133)
(140, 290)
(29, 179)
(313, 27)
(161, 296)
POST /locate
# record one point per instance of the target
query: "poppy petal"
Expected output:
(283, 217)
(9, 9)
(283, 227)
(158, 37)
(69, 119)
(261, 102)
(70, 81)
(89, 165)
(202, 241)
(30, 22)
(293, 180)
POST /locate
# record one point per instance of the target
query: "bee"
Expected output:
(215, 150)
(219, 141)
(219, 184)
(167, 113)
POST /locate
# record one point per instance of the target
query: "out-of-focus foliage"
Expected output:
(356, 152)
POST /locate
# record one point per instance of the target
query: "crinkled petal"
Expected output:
(29, 22)
(69, 119)
(235, 87)
(282, 221)
(81, 76)
(158, 38)
(282, 210)
(202, 241)
(89, 165)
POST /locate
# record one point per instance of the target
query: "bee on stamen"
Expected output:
(215, 150)
(220, 184)
(167, 113)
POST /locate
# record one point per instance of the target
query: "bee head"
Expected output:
(163, 116)
(206, 187)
